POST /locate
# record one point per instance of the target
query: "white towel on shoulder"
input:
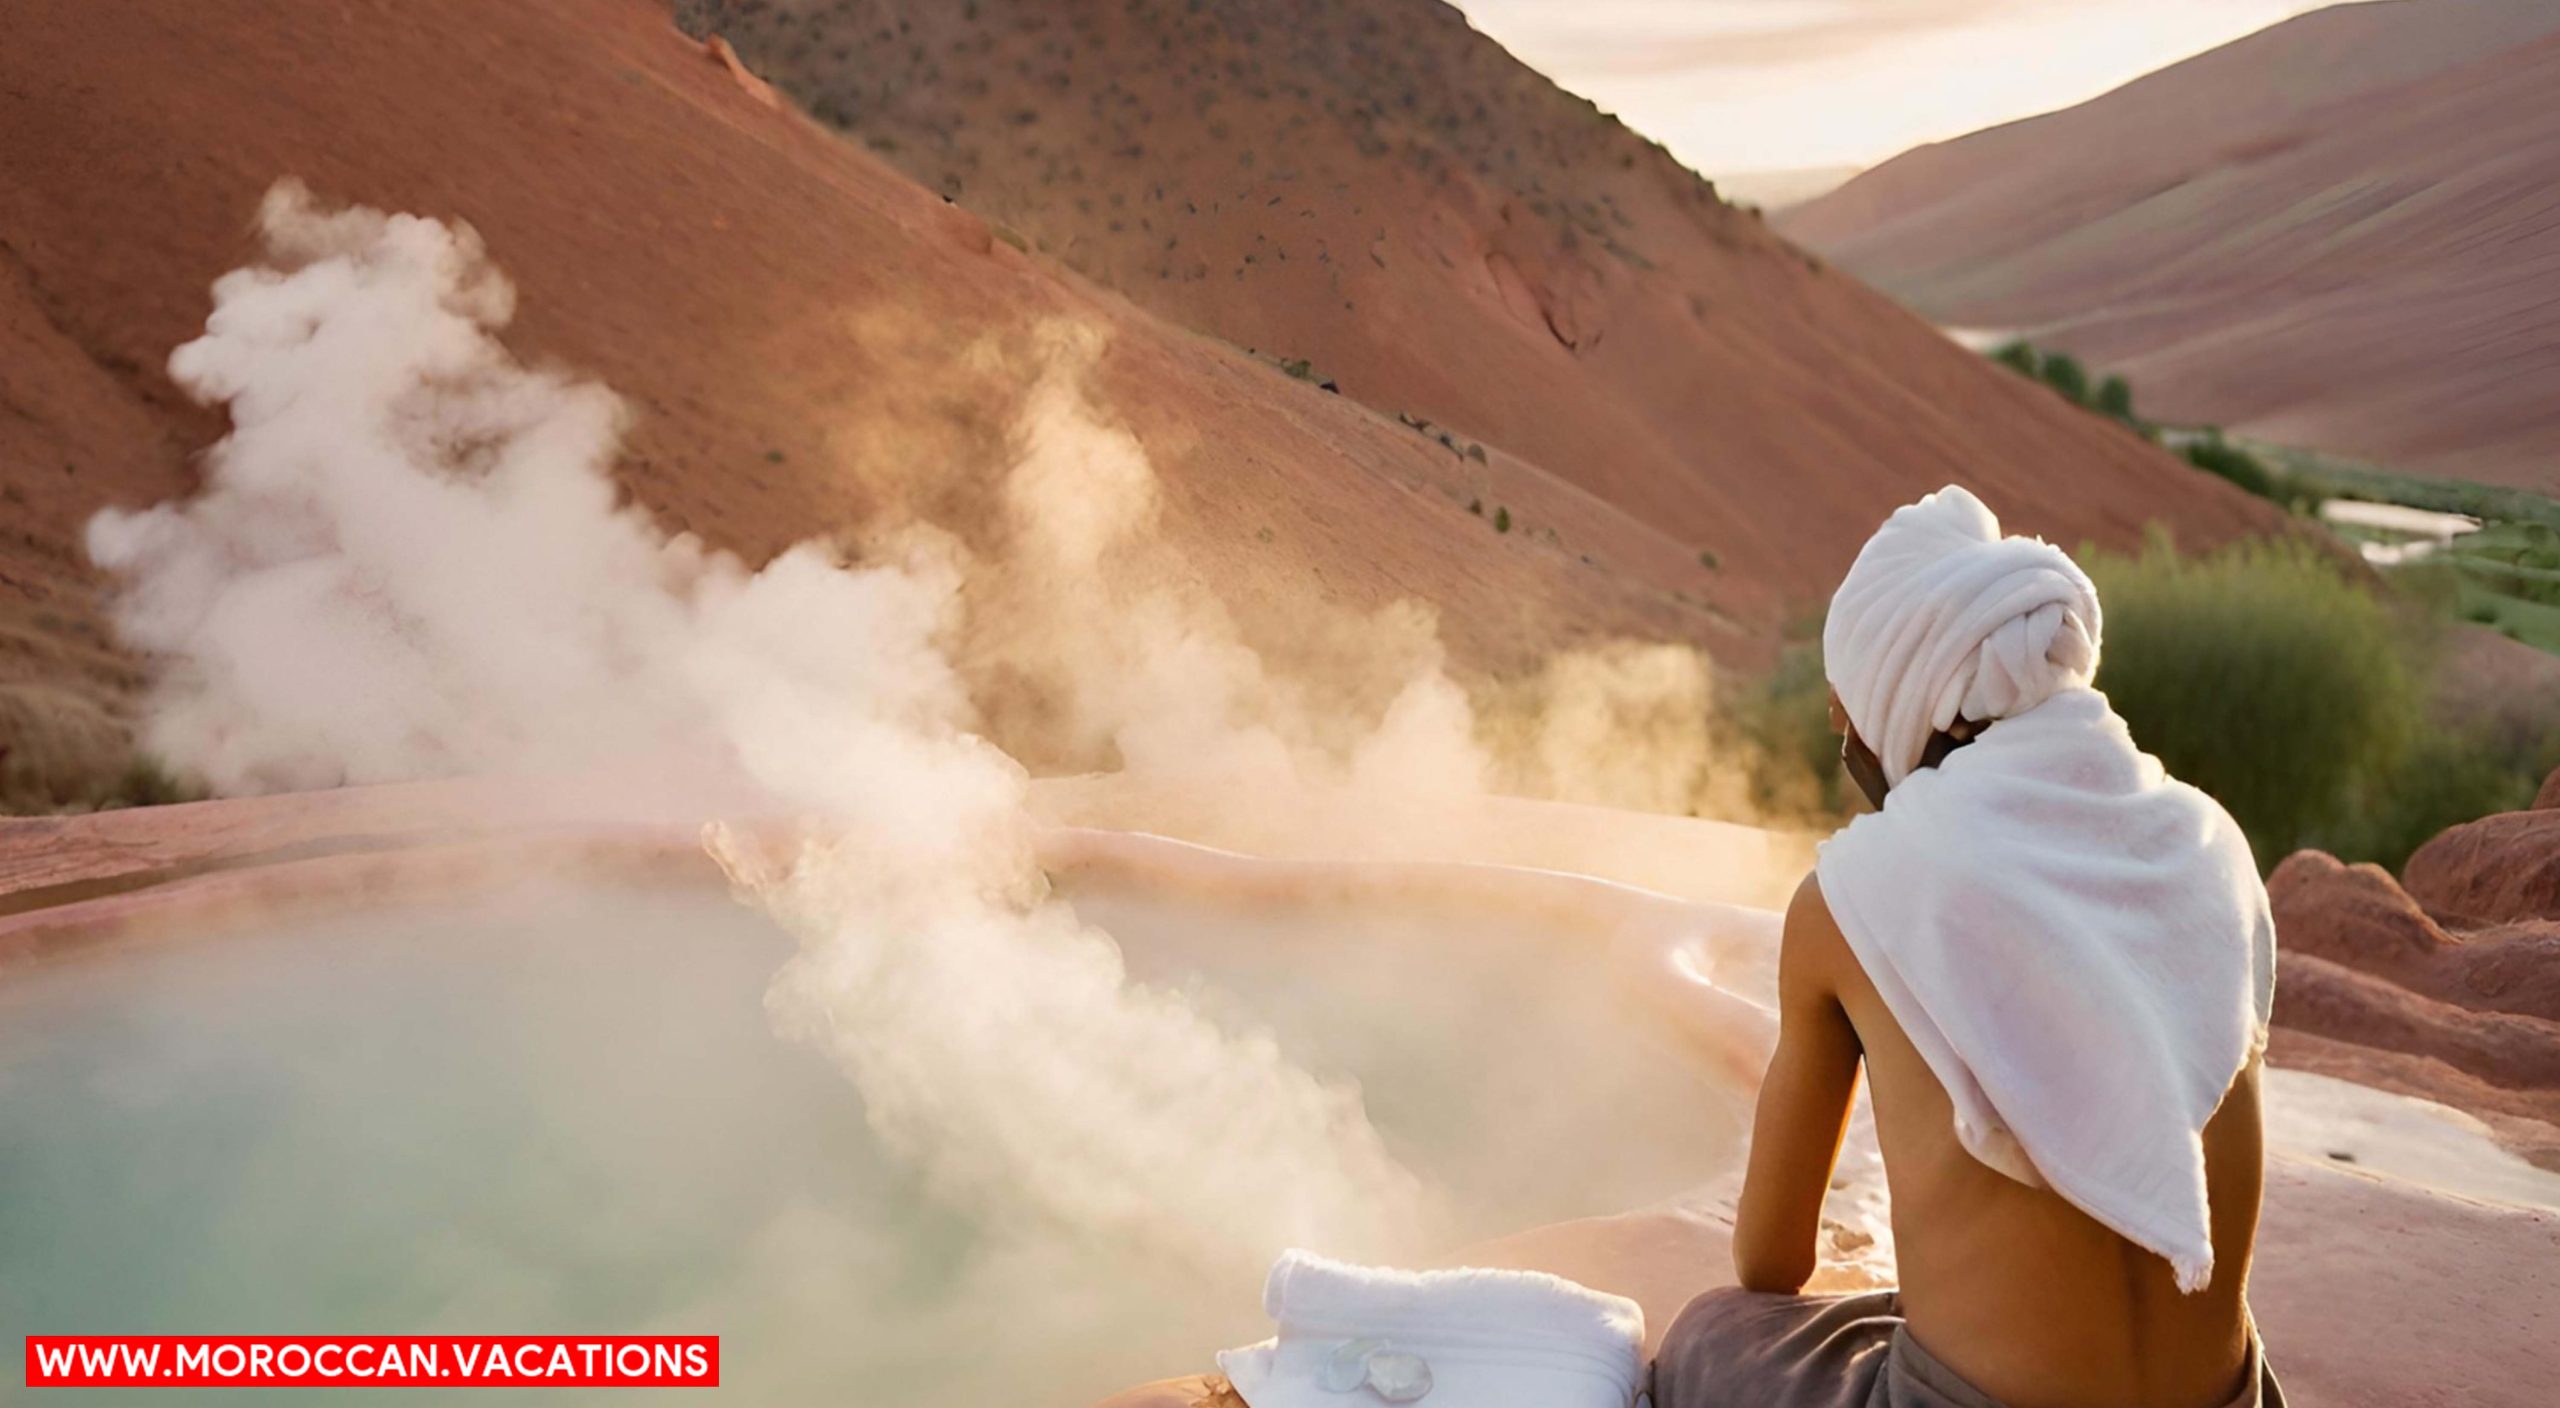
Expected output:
(1454, 1339)
(2077, 944)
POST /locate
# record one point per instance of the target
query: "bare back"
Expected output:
(2021, 1293)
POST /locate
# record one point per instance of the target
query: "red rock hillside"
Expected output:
(1373, 189)
(1638, 373)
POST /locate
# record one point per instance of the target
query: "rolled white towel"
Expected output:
(1461, 1338)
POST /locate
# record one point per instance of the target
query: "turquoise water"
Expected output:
(565, 1112)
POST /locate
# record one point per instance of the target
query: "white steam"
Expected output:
(408, 560)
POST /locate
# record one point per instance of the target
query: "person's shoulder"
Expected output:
(1807, 906)
(1811, 933)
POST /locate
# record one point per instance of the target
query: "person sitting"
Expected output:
(2052, 964)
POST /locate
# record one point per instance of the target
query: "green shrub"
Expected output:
(2444, 779)
(148, 782)
(2019, 357)
(1502, 520)
(2215, 456)
(2115, 398)
(1783, 722)
(59, 749)
(2063, 373)
(2262, 676)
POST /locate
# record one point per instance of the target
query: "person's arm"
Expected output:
(1804, 1105)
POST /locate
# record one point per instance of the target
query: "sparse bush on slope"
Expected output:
(2115, 398)
(2212, 454)
(2264, 677)
(1782, 721)
(61, 752)
(2063, 373)
(2020, 357)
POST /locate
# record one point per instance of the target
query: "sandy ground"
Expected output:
(2338, 232)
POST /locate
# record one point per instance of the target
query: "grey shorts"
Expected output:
(1740, 1349)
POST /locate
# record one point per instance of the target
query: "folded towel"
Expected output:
(2077, 944)
(1458, 1339)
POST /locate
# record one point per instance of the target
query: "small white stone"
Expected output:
(1399, 1377)
(1348, 1368)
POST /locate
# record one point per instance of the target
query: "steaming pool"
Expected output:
(564, 1109)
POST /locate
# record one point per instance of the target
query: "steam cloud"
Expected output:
(408, 560)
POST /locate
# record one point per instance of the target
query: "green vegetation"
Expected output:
(61, 752)
(2204, 448)
(2263, 674)
(1782, 724)
(2020, 357)
(2115, 398)
(2338, 477)
(1502, 520)
(148, 782)
(2506, 576)
(2260, 675)
(2064, 373)
(1303, 369)
(1466, 450)
(2296, 696)
(2209, 452)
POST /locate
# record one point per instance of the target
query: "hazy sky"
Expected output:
(1756, 85)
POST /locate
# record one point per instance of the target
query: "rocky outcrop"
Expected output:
(2500, 1049)
(2444, 983)
(2497, 870)
(2360, 919)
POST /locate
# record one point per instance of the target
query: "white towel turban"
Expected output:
(1941, 618)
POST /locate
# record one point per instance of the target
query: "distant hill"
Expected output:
(1774, 191)
(2341, 231)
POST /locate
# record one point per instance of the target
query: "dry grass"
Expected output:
(61, 752)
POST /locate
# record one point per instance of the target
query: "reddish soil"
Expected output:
(786, 316)
(2498, 870)
(1379, 190)
(2446, 987)
(2359, 917)
(2337, 232)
